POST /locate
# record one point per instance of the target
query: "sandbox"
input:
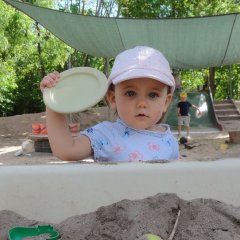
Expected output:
(52, 193)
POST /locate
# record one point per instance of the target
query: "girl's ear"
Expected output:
(111, 100)
(167, 101)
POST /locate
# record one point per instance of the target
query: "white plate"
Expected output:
(78, 89)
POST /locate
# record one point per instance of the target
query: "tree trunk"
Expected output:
(212, 84)
(106, 67)
(86, 60)
(39, 48)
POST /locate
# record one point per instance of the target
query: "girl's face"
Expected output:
(141, 102)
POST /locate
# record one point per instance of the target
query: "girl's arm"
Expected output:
(63, 145)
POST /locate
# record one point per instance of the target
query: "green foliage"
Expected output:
(141, 8)
(192, 79)
(29, 52)
(7, 87)
(173, 8)
(7, 74)
(228, 82)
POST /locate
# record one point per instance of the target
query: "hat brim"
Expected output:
(143, 73)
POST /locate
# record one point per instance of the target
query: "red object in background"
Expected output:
(36, 128)
(43, 129)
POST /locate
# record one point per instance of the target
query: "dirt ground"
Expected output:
(17, 129)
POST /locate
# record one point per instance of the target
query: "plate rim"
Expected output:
(82, 107)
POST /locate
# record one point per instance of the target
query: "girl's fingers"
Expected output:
(57, 74)
(54, 75)
(50, 80)
(47, 82)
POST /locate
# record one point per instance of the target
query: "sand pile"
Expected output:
(199, 219)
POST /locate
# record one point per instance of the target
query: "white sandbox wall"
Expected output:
(54, 192)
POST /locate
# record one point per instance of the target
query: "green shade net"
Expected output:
(187, 43)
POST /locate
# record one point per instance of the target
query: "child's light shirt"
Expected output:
(115, 141)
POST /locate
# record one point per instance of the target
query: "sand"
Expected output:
(199, 219)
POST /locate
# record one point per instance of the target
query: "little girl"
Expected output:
(140, 90)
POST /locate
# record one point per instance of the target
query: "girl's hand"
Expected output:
(50, 80)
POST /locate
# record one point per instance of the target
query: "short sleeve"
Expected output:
(100, 137)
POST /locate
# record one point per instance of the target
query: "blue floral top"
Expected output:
(115, 141)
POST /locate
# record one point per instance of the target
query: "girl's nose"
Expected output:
(141, 103)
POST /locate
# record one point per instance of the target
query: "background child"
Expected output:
(183, 114)
(140, 90)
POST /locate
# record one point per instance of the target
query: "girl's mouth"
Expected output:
(142, 115)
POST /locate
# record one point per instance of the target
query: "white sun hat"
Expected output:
(140, 62)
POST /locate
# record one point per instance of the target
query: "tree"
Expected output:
(176, 8)
(28, 52)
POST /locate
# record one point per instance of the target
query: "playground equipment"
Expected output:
(204, 102)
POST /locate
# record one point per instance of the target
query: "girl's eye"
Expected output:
(130, 93)
(153, 95)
